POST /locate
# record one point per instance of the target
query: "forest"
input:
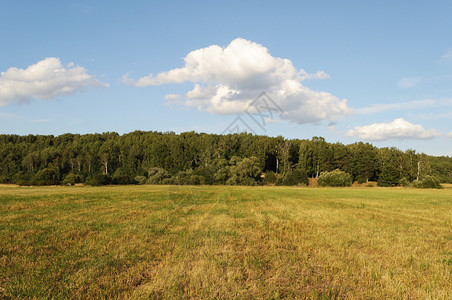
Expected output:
(198, 158)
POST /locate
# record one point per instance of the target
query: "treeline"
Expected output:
(199, 158)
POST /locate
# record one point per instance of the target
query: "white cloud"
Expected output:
(317, 75)
(433, 116)
(46, 79)
(408, 82)
(8, 116)
(172, 97)
(449, 135)
(40, 121)
(405, 106)
(447, 56)
(398, 129)
(226, 80)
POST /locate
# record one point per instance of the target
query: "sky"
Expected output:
(349, 71)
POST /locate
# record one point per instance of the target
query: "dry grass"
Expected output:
(447, 185)
(225, 242)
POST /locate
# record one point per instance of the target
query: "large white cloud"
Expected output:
(226, 80)
(397, 129)
(46, 79)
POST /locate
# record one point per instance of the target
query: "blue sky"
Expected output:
(378, 72)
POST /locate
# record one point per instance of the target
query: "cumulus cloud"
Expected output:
(46, 79)
(226, 80)
(449, 135)
(397, 129)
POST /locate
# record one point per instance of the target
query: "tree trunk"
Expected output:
(418, 169)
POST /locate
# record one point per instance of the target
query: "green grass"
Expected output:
(225, 242)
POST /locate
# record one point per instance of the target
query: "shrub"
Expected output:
(183, 177)
(3, 179)
(24, 182)
(121, 178)
(241, 181)
(417, 184)
(169, 180)
(45, 177)
(296, 177)
(288, 179)
(222, 175)
(100, 179)
(361, 179)
(428, 182)
(404, 182)
(140, 179)
(197, 180)
(207, 174)
(270, 177)
(188, 177)
(335, 178)
(157, 175)
(300, 177)
(72, 179)
(244, 171)
(21, 178)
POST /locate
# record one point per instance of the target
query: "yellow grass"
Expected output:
(225, 242)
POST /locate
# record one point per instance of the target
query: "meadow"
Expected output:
(225, 242)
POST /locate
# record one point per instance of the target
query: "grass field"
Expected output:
(225, 242)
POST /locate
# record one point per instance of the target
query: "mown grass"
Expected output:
(225, 242)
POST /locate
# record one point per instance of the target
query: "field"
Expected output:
(225, 242)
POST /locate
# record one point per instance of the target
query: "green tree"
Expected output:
(428, 182)
(318, 145)
(335, 178)
(389, 176)
(100, 179)
(46, 176)
(364, 163)
(244, 171)
(296, 177)
(157, 175)
(306, 158)
(72, 179)
(207, 155)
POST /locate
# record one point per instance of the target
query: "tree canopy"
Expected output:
(200, 158)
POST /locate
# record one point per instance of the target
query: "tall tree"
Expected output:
(104, 158)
